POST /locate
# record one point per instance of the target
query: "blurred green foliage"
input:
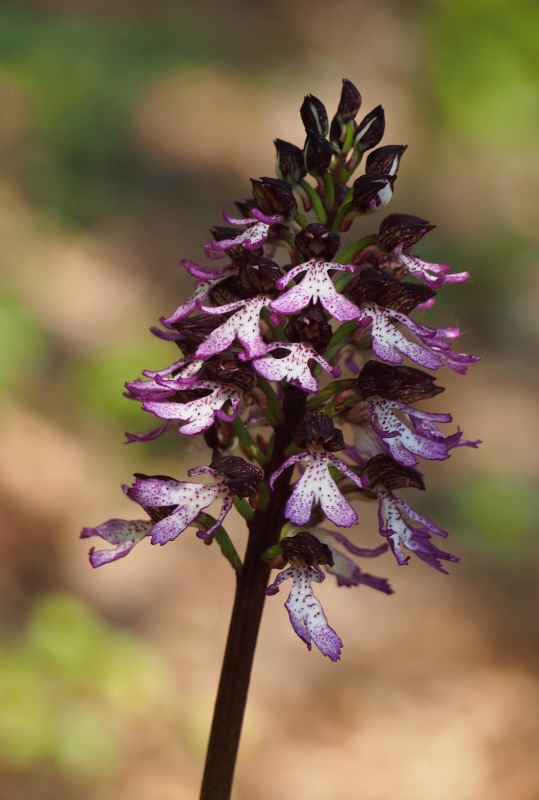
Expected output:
(70, 687)
(485, 59)
(500, 515)
(83, 77)
(97, 384)
(27, 341)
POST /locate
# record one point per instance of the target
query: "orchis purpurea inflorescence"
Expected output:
(292, 369)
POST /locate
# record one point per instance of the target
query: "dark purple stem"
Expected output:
(251, 583)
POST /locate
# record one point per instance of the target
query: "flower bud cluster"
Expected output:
(281, 310)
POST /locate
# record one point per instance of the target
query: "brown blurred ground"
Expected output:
(120, 148)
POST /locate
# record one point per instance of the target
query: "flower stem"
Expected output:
(251, 582)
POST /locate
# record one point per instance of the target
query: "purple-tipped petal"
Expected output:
(305, 611)
(344, 569)
(124, 534)
(183, 500)
(317, 485)
(198, 414)
(423, 269)
(414, 435)
(294, 367)
(251, 238)
(147, 436)
(315, 286)
(243, 325)
(202, 290)
(393, 513)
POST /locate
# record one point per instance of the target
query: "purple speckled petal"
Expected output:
(269, 219)
(400, 533)
(204, 273)
(228, 501)
(387, 340)
(199, 414)
(251, 238)
(421, 439)
(186, 499)
(195, 497)
(148, 436)
(316, 484)
(457, 362)
(156, 492)
(316, 285)
(423, 269)
(300, 503)
(361, 481)
(305, 611)
(184, 367)
(345, 570)
(124, 534)
(202, 289)
(288, 463)
(141, 390)
(243, 325)
(294, 367)
(255, 215)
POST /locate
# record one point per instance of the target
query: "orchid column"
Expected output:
(292, 369)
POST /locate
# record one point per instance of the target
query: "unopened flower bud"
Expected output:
(349, 105)
(378, 286)
(226, 369)
(196, 329)
(318, 428)
(404, 384)
(370, 130)
(221, 232)
(258, 275)
(317, 152)
(402, 230)
(317, 241)
(372, 192)
(242, 478)
(310, 327)
(350, 101)
(304, 548)
(227, 291)
(290, 162)
(382, 470)
(274, 196)
(385, 160)
(245, 207)
(314, 115)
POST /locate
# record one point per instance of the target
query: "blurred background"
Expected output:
(126, 128)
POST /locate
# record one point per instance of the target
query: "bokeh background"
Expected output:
(126, 128)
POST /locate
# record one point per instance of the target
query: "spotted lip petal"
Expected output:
(392, 514)
(404, 442)
(345, 570)
(423, 269)
(315, 286)
(243, 325)
(199, 414)
(122, 533)
(294, 367)
(388, 342)
(251, 238)
(202, 289)
(305, 611)
(189, 498)
(317, 485)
